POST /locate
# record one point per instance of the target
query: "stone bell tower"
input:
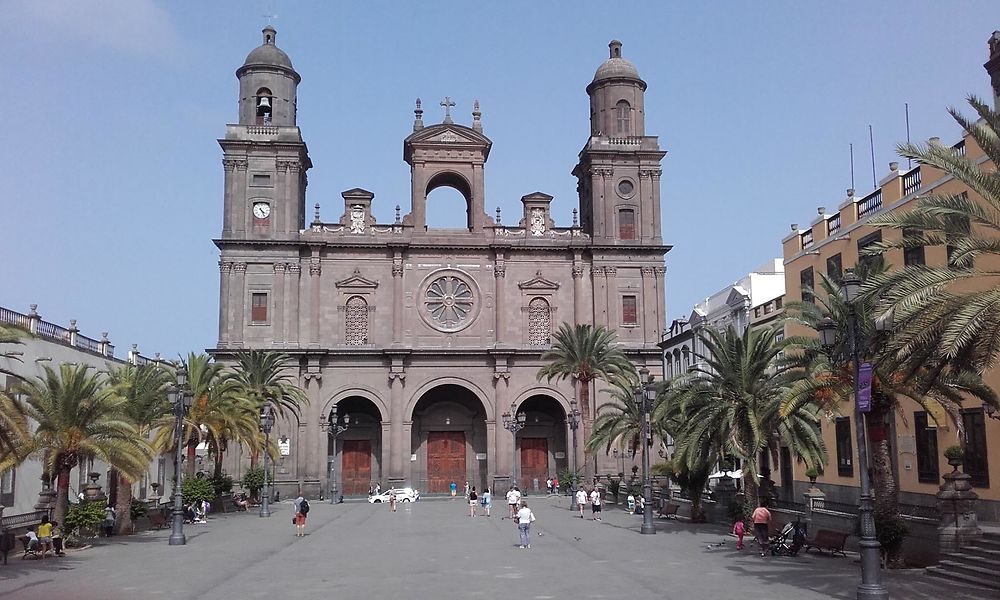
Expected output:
(619, 168)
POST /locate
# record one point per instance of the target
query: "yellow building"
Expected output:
(831, 244)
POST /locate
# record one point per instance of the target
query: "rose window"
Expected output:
(449, 303)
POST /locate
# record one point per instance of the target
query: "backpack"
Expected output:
(304, 506)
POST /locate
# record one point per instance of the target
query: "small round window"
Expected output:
(625, 187)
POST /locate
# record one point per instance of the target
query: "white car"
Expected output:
(402, 495)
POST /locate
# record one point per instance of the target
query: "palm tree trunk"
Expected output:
(588, 422)
(62, 495)
(123, 508)
(217, 473)
(884, 482)
(189, 471)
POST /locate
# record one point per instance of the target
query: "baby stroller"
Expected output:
(789, 541)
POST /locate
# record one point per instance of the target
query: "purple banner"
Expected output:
(865, 387)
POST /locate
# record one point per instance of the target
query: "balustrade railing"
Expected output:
(52, 331)
(911, 181)
(959, 148)
(840, 507)
(833, 225)
(88, 344)
(807, 239)
(262, 130)
(14, 318)
(870, 204)
(23, 519)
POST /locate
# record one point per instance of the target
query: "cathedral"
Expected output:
(425, 339)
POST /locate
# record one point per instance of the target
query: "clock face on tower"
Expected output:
(261, 210)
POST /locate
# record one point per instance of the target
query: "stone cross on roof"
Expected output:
(447, 103)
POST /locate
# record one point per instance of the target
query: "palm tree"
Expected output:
(830, 382)
(617, 423)
(143, 389)
(585, 353)
(13, 424)
(949, 315)
(77, 417)
(733, 404)
(265, 376)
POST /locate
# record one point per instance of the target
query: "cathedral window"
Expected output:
(626, 224)
(258, 307)
(539, 322)
(356, 322)
(629, 316)
(624, 116)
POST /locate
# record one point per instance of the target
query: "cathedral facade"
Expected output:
(424, 338)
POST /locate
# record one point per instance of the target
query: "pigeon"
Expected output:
(578, 539)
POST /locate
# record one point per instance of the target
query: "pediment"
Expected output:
(356, 281)
(738, 298)
(446, 134)
(538, 283)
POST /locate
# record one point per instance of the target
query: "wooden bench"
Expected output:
(826, 539)
(668, 510)
(156, 520)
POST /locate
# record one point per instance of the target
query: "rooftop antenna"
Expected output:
(906, 106)
(871, 144)
(852, 165)
(269, 17)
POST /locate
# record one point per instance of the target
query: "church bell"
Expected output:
(264, 102)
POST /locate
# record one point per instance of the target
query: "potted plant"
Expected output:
(812, 473)
(955, 455)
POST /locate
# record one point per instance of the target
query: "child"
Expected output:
(739, 528)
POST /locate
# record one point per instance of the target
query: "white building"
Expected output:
(755, 299)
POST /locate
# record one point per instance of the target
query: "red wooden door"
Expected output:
(534, 462)
(445, 460)
(356, 459)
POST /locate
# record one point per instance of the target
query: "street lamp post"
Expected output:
(871, 586)
(180, 402)
(266, 422)
(573, 420)
(645, 393)
(337, 424)
(513, 422)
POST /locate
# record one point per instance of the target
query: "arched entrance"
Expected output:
(542, 449)
(355, 456)
(448, 439)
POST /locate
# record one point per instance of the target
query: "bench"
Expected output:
(668, 510)
(826, 539)
(156, 520)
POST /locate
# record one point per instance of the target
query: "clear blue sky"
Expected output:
(113, 178)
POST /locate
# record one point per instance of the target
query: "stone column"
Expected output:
(492, 449)
(655, 179)
(597, 224)
(577, 289)
(240, 214)
(499, 300)
(294, 314)
(225, 272)
(649, 334)
(315, 272)
(501, 404)
(957, 504)
(406, 451)
(316, 468)
(294, 197)
(397, 298)
(237, 304)
(396, 418)
(278, 319)
(600, 295)
(612, 302)
(228, 165)
(386, 451)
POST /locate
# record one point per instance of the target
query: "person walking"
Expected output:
(761, 523)
(513, 497)
(555, 485)
(392, 499)
(739, 530)
(524, 518)
(109, 520)
(57, 540)
(301, 510)
(595, 503)
(487, 501)
(473, 501)
(581, 500)
(548, 485)
(454, 489)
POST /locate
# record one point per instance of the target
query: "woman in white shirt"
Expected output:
(524, 519)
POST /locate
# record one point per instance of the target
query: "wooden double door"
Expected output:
(446, 454)
(356, 467)
(534, 462)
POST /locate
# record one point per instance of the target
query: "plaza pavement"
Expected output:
(432, 549)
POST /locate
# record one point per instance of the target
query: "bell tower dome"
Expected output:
(268, 85)
(616, 97)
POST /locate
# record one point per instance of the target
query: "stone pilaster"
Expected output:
(225, 273)
(238, 300)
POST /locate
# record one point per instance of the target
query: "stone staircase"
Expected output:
(978, 564)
